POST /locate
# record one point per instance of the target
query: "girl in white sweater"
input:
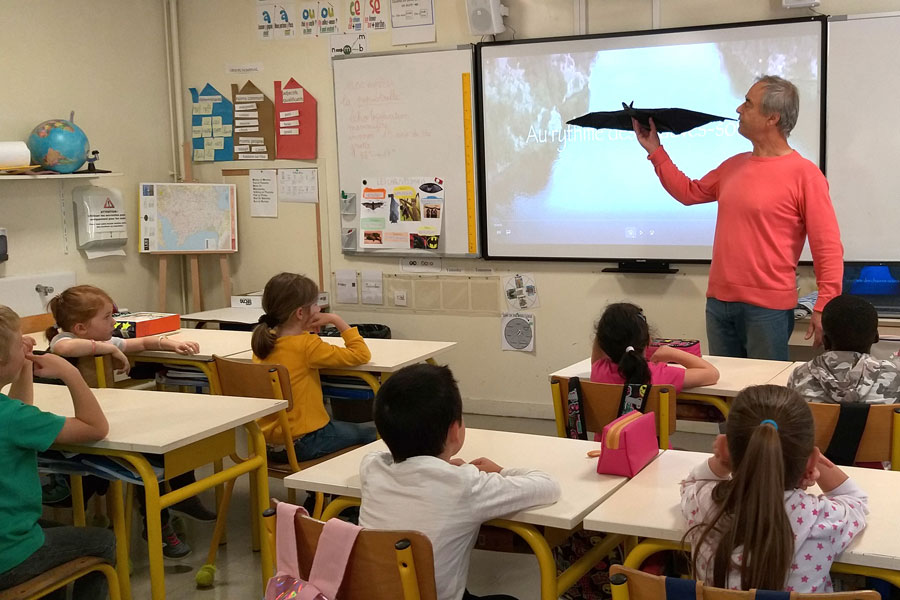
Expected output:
(750, 521)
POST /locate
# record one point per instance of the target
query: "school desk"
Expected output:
(648, 506)
(241, 315)
(212, 341)
(566, 459)
(734, 375)
(189, 431)
(388, 356)
(782, 378)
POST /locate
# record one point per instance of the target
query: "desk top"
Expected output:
(782, 378)
(229, 314)
(649, 506)
(212, 341)
(734, 373)
(582, 487)
(387, 355)
(158, 422)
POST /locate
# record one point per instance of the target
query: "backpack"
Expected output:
(330, 562)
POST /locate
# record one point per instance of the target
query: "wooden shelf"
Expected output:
(60, 176)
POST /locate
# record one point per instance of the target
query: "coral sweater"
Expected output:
(767, 208)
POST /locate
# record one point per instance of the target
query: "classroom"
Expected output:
(126, 70)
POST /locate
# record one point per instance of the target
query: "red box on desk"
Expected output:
(139, 324)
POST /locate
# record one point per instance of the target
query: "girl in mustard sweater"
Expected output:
(285, 336)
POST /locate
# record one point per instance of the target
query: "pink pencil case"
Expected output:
(629, 444)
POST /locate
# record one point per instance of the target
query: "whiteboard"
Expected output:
(402, 115)
(862, 146)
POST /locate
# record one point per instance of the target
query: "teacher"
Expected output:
(770, 200)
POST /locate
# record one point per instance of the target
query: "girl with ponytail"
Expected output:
(620, 342)
(285, 336)
(750, 521)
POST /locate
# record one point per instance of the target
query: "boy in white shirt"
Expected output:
(419, 486)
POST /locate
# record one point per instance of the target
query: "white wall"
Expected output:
(106, 61)
(213, 34)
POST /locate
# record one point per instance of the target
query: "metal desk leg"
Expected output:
(115, 508)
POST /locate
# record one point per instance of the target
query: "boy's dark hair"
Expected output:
(415, 408)
(849, 323)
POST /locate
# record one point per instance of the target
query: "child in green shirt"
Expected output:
(27, 550)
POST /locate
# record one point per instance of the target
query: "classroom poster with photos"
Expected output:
(401, 212)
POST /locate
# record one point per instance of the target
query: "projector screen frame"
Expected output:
(480, 140)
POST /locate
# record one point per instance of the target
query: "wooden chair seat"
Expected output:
(57, 577)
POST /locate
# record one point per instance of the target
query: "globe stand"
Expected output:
(90, 164)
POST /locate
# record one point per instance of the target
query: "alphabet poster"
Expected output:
(401, 212)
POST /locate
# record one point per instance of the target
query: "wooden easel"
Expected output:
(194, 265)
(193, 259)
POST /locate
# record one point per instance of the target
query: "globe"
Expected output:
(58, 145)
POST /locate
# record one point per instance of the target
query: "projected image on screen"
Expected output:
(554, 190)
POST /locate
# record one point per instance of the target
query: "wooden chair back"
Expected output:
(37, 324)
(881, 437)
(375, 567)
(632, 584)
(254, 380)
(601, 405)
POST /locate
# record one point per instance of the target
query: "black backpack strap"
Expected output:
(576, 428)
(848, 433)
(634, 397)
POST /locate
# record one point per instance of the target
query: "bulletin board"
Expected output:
(405, 133)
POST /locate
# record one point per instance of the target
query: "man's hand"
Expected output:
(486, 465)
(647, 138)
(815, 328)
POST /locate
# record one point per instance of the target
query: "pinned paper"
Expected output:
(296, 127)
(372, 287)
(263, 193)
(298, 185)
(254, 102)
(517, 332)
(347, 292)
(412, 22)
(212, 119)
(521, 292)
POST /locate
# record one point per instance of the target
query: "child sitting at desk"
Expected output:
(285, 336)
(84, 326)
(620, 342)
(750, 521)
(418, 485)
(846, 371)
(27, 550)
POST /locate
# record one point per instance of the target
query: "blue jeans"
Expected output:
(336, 435)
(62, 544)
(747, 331)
